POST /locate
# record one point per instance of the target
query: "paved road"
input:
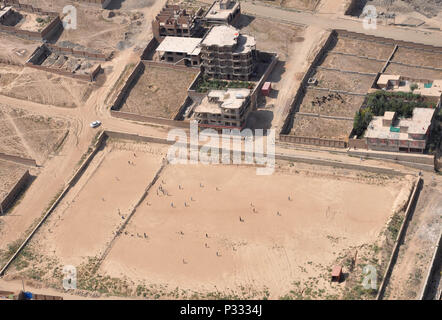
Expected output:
(331, 21)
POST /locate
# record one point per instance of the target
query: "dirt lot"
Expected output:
(305, 126)
(428, 8)
(271, 36)
(29, 21)
(10, 173)
(413, 73)
(262, 240)
(155, 95)
(43, 87)
(10, 141)
(341, 62)
(343, 81)
(29, 135)
(15, 50)
(98, 29)
(363, 48)
(418, 58)
(295, 4)
(330, 104)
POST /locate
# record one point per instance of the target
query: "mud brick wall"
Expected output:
(19, 187)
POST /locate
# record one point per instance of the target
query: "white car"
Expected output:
(95, 124)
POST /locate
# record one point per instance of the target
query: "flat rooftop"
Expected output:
(230, 99)
(384, 78)
(180, 44)
(221, 9)
(417, 124)
(229, 36)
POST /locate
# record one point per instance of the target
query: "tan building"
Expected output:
(227, 54)
(390, 133)
(387, 81)
(223, 12)
(174, 21)
(224, 109)
(180, 50)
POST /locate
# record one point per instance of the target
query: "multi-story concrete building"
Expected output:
(174, 21)
(224, 109)
(390, 133)
(226, 54)
(223, 12)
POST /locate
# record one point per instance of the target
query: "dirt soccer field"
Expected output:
(205, 230)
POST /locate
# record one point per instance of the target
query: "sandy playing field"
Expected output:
(206, 231)
(224, 228)
(88, 217)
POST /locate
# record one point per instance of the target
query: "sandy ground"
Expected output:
(272, 36)
(29, 135)
(261, 241)
(346, 63)
(417, 249)
(97, 203)
(44, 87)
(330, 104)
(343, 81)
(154, 95)
(263, 250)
(306, 126)
(413, 73)
(363, 48)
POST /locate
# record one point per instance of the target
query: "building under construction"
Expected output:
(224, 109)
(223, 12)
(227, 54)
(177, 22)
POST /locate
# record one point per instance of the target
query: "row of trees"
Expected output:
(378, 102)
(207, 84)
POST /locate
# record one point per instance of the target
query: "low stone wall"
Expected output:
(17, 159)
(417, 158)
(15, 192)
(85, 77)
(285, 130)
(356, 143)
(123, 92)
(435, 262)
(399, 239)
(400, 43)
(78, 53)
(155, 120)
(313, 141)
(102, 137)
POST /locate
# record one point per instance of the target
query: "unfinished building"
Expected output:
(66, 62)
(174, 21)
(26, 21)
(180, 50)
(390, 133)
(227, 54)
(224, 109)
(223, 12)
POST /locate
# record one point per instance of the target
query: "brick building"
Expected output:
(174, 21)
